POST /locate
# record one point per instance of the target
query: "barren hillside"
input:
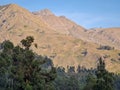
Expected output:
(57, 37)
(60, 23)
(105, 36)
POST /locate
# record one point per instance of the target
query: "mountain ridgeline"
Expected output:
(61, 39)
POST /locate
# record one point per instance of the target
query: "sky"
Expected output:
(87, 13)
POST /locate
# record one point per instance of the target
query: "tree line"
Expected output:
(23, 69)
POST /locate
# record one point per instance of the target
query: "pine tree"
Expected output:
(91, 80)
(22, 69)
(104, 78)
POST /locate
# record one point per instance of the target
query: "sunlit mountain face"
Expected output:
(61, 39)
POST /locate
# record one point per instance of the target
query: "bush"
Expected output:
(105, 48)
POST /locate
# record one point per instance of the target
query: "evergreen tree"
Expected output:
(27, 42)
(22, 69)
(104, 78)
(91, 80)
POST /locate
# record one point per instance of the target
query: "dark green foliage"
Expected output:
(101, 79)
(22, 69)
(36, 45)
(70, 80)
(104, 78)
(105, 48)
(84, 52)
(91, 80)
(67, 82)
(7, 46)
(117, 82)
(27, 42)
(118, 54)
(70, 69)
(28, 87)
(73, 83)
(86, 79)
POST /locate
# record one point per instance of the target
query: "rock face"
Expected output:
(45, 12)
(59, 38)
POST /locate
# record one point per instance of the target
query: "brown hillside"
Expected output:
(60, 23)
(57, 42)
(105, 36)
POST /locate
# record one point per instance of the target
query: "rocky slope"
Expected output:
(103, 36)
(106, 36)
(60, 23)
(57, 37)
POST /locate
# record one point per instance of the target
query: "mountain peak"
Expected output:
(13, 6)
(44, 12)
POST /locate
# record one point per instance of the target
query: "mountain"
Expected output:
(106, 36)
(58, 37)
(60, 23)
(19, 22)
(11, 14)
(103, 36)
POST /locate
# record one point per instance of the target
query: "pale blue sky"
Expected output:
(87, 13)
